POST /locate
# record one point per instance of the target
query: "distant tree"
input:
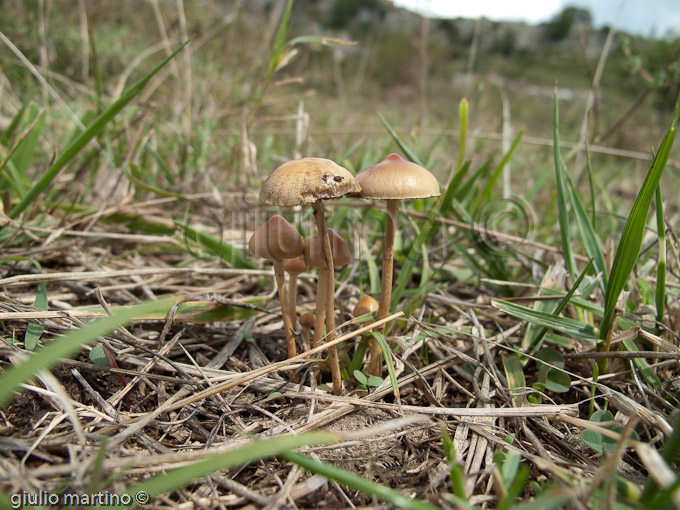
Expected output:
(559, 27)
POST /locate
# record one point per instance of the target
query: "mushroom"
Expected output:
(366, 304)
(278, 240)
(306, 321)
(294, 267)
(393, 179)
(309, 181)
(314, 257)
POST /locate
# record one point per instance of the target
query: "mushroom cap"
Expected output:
(306, 180)
(276, 239)
(296, 266)
(307, 320)
(395, 178)
(366, 304)
(341, 254)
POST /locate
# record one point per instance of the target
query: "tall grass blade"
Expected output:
(565, 233)
(661, 263)
(463, 123)
(630, 243)
(358, 483)
(50, 354)
(85, 137)
(587, 232)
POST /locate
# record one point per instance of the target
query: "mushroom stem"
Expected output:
(292, 299)
(374, 367)
(327, 295)
(280, 276)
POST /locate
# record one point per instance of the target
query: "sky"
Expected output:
(643, 17)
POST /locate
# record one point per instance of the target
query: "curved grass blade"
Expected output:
(50, 354)
(405, 148)
(258, 449)
(387, 356)
(630, 243)
(84, 138)
(562, 324)
(230, 254)
(358, 483)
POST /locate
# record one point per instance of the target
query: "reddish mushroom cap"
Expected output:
(366, 304)
(341, 254)
(276, 239)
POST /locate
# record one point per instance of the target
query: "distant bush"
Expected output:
(559, 27)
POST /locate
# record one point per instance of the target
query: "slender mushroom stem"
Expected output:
(320, 312)
(280, 276)
(292, 299)
(327, 297)
(375, 365)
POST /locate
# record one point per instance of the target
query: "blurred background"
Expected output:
(243, 97)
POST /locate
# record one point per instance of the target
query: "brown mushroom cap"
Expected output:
(276, 239)
(306, 180)
(296, 265)
(396, 178)
(341, 254)
(307, 320)
(366, 304)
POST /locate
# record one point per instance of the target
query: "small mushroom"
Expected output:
(393, 179)
(294, 267)
(278, 240)
(315, 258)
(307, 322)
(366, 304)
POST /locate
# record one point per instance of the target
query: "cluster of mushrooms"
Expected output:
(309, 181)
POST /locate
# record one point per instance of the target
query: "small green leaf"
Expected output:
(98, 356)
(374, 381)
(361, 377)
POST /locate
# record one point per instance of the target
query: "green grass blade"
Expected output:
(25, 152)
(85, 137)
(661, 263)
(565, 233)
(358, 483)
(373, 274)
(463, 122)
(258, 449)
(515, 376)
(387, 356)
(228, 253)
(537, 336)
(50, 354)
(17, 177)
(34, 330)
(410, 154)
(562, 324)
(631, 239)
(486, 194)
(587, 232)
(6, 135)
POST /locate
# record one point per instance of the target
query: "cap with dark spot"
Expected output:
(306, 180)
